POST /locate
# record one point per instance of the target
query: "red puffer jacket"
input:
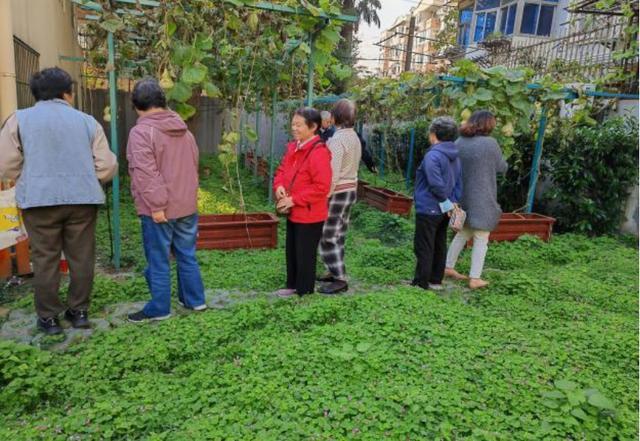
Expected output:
(310, 190)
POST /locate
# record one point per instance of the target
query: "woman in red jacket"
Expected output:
(301, 184)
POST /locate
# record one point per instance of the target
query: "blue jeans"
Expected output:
(179, 236)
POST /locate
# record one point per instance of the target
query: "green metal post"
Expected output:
(242, 137)
(412, 142)
(272, 144)
(113, 103)
(255, 153)
(535, 165)
(382, 155)
(310, 74)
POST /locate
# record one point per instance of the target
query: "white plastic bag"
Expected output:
(12, 228)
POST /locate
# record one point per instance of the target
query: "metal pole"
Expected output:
(274, 105)
(310, 74)
(382, 155)
(535, 165)
(412, 142)
(113, 104)
(242, 137)
(255, 153)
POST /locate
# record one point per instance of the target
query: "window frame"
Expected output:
(539, 5)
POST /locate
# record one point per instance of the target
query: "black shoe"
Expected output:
(140, 317)
(325, 278)
(50, 326)
(78, 319)
(335, 287)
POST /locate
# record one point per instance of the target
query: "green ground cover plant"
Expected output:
(548, 352)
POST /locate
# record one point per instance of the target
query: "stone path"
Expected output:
(20, 324)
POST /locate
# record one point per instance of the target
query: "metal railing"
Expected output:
(27, 63)
(583, 55)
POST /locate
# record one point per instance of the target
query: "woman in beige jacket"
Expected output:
(346, 152)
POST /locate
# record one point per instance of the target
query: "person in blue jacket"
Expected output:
(438, 187)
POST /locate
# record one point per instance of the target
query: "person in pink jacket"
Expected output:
(163, 165)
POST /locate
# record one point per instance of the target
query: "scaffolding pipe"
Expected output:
(113, 104)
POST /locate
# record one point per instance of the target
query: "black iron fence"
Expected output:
(27, 63)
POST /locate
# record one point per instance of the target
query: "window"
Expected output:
(483, 5)
(485, 25)
(464, 27)
(508, 19)
(537, 19)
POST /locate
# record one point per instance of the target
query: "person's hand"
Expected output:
(159, 217)
(280, 192)
(285, 203)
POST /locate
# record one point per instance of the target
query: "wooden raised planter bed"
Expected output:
(15, 260)
(248, 160)
(250, 164)
(387, 200)
(361, 188)
(263, 168)
(514, 225)
(234, 231)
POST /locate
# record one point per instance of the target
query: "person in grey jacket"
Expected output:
(482, 160)
(59, 158)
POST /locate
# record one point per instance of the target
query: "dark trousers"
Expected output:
(68, 228)
(302, 254)
(430, 248)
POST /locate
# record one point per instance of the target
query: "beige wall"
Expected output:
(47, 26)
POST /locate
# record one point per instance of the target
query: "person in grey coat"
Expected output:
(482, 160)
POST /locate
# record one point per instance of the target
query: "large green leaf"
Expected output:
(180, 92)
(194, 74)
(185, 110)
(600, 401)
(565, 385)
(204, 42)
(181, 54)
(483, 94)
(212, 90)
(341, 72)
(112, 25)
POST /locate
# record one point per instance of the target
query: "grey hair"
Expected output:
(325, 115)
(344, 113)
(445, 128)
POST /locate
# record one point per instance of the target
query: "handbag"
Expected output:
(285, 211)
(457, 219)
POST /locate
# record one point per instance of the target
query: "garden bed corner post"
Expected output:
(113, 95)
(535, 165)
(412, 143)
(310, 72)
(274, 109)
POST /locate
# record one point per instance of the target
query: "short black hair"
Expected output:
(311, 116)
(50, 83)
(344, 113)
(148, 94)
(445, 128)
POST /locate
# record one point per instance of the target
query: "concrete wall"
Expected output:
(47, 26)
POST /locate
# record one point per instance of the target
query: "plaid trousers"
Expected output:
(334, 233)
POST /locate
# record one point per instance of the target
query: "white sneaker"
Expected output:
(198, 308)
(436, 287)
(285, 293)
